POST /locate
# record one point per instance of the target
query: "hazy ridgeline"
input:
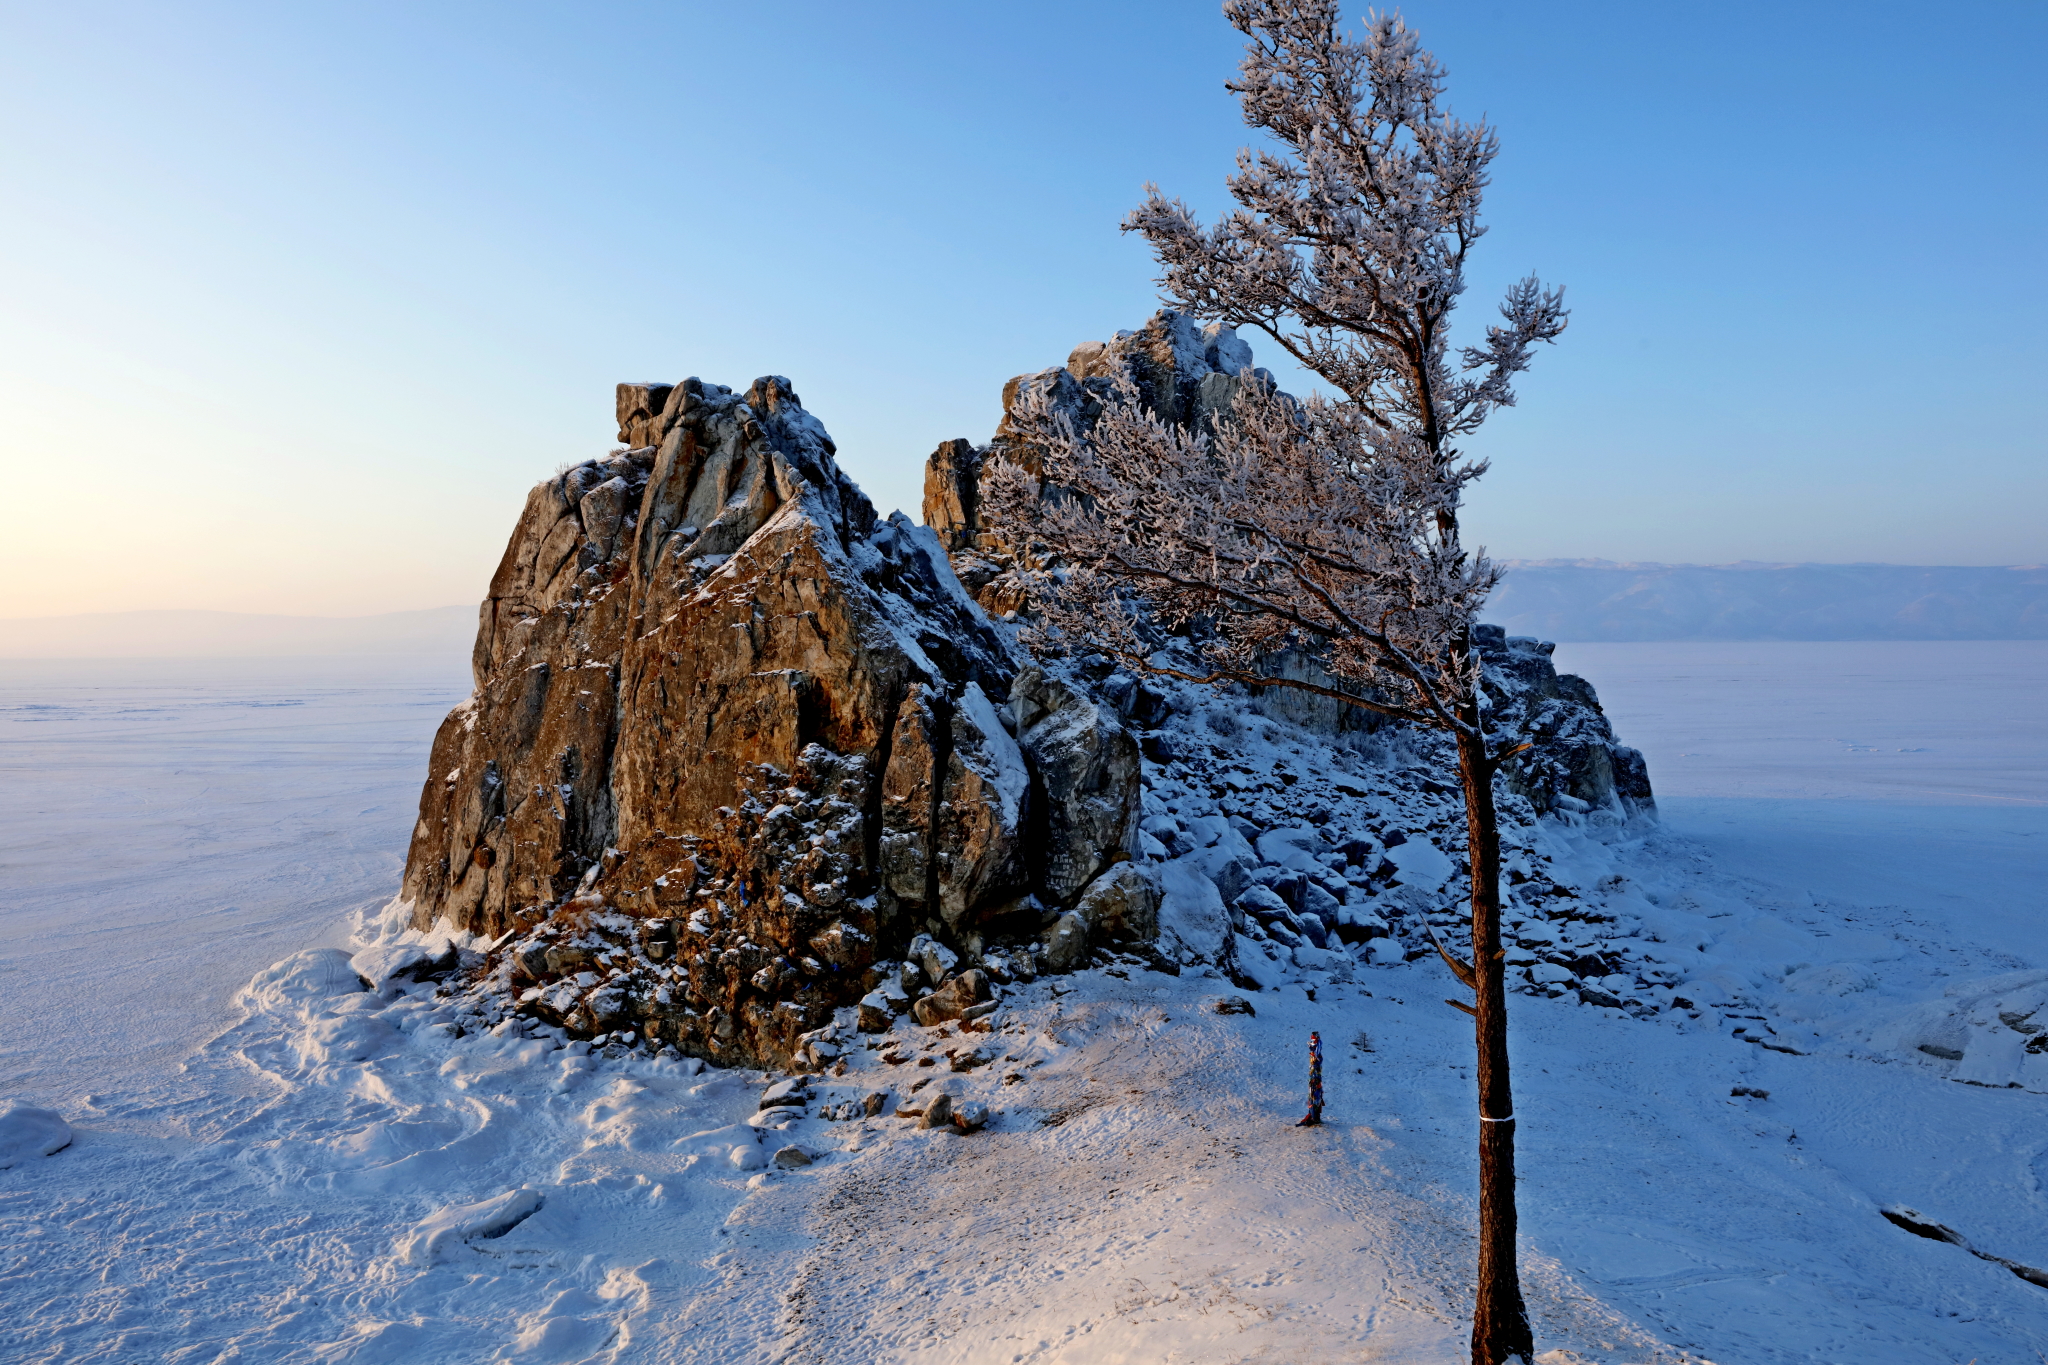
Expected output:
(1550, 599)
(1621, 602)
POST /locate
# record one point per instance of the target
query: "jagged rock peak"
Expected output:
(1574, 762)
(1184, 370)
(721, 706)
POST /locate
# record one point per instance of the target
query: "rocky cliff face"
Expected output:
(1184, 370)
(736, 742)
(1574, 762)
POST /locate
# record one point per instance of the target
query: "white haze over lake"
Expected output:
(1853, 831)
(399, 639)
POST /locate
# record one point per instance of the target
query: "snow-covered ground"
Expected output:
(1849, 873)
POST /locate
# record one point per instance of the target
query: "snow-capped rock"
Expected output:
(441, 1235)
(28, 1132)
(739, 747)
(792, 1092)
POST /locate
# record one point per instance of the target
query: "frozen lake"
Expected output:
(1883, 773)
(170, 827)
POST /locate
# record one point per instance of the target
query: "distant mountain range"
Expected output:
(1553, 599)
(1594, 599)
(439, 632)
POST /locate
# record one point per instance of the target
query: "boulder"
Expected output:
(1087, 765)
(873, 1014)
(938, 1112)
(1317, 901)
(952, 1000)
(1358, 925)
(792, 1093)
(1263, 904)
(1065, 943)
(1250, 965)
(1121, 905)
(936, 959)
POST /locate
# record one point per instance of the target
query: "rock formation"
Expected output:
(1187, 372)
(742, 754)
(1574, 763)
(735, 740)
(1184, 370)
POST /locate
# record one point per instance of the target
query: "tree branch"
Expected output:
(1462, 970)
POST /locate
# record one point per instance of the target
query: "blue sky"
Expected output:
(298, 300)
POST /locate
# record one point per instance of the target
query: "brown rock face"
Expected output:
(951, 1000)
(759, 735)
(952, 493)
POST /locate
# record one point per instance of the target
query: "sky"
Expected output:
(296, 301)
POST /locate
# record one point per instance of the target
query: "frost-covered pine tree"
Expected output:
(1329, 525)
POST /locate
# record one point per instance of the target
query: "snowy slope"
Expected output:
(318, 1182)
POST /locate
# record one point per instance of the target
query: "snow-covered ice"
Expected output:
(322, 1160)
(172, 826)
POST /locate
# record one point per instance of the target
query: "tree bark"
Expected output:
(1500, 1320)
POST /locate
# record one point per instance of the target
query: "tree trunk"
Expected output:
(1500, 1321)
